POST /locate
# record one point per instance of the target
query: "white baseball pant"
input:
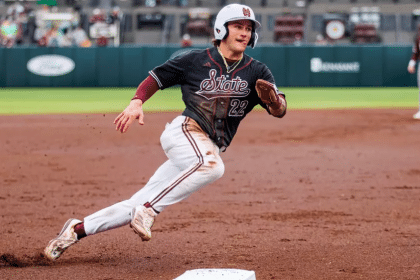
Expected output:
(193, 162)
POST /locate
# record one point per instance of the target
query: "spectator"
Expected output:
(102, 41)
(22, 20)
(57, 37)
(186, 41)
(80, 38)
(42, 26)
(10, 32)
(51, 37)
(118, 19)
(15, 9)
(75, 21)
(298, 39)
(320, 40)
(98, 16)
(65, 37)
(55, 29)
(99, 31)
(41, 33)
(115, 16)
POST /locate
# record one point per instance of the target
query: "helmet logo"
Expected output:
(246, 12)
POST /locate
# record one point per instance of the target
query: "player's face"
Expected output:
(239, 35)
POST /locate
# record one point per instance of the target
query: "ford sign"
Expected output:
(50, 65)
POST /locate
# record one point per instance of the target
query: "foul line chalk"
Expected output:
(217, 274)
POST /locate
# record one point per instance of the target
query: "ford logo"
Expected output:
(50, 65)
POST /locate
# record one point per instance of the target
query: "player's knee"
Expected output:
(220, 170)
(215, 167)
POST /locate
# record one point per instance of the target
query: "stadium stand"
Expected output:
(199, 23)
(288, 28)
(365, 33)
(167, 21)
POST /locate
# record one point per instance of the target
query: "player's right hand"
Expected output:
(133, 111)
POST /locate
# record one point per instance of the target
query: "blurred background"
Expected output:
(104, 22)
(372, 39)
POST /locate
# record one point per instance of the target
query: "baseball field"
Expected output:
(331, 191)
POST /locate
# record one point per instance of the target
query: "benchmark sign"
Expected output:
(319, 66)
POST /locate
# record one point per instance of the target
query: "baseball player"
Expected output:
(220, 86)
(412, 67)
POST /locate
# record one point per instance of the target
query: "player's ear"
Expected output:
(253, 41)
(227, 30)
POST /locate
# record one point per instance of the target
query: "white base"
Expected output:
(217, 274)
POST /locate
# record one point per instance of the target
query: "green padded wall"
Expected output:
(292, 66)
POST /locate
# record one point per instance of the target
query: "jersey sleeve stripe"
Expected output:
(156, 78)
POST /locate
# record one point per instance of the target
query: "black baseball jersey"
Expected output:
(215, 99)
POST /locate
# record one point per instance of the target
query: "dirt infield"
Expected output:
(331, 194)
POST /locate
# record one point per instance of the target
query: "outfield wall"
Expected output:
(330, 66)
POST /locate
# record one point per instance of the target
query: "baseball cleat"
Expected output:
(142, 220)
(417, 115)
(65, 239)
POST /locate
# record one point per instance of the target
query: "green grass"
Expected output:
(352, 98)
(16, 101)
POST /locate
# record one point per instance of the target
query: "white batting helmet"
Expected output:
(234, 12)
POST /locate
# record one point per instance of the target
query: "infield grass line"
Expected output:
(24, 101)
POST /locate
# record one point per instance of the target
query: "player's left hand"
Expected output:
(267, 92)
(133, 111)
(411, 69)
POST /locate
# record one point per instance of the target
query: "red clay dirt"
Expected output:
(332, 194)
